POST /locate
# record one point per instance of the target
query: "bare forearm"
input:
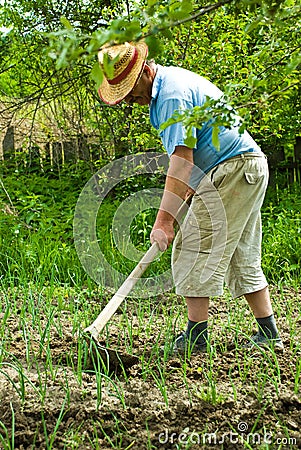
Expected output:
(174, 193)
(176, 187)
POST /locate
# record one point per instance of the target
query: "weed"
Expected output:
(8, 441)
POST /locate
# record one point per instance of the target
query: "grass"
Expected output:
(47, 300)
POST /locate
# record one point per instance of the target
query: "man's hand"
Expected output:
(163, 233)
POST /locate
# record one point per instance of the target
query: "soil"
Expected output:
(242, 402)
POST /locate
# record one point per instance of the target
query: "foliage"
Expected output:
(36, 229)
(282, 236)
(255, 66)
(216, 113)
(47, 105)
(250, 50)
(256, 87)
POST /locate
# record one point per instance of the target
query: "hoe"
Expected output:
(112, 359)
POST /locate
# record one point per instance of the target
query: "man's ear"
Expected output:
(150, 73)
(147, 69)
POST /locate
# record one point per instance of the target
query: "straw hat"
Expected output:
(128, 68)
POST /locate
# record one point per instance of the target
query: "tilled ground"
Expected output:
(226, 399)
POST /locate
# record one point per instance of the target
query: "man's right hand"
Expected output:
(163, 234)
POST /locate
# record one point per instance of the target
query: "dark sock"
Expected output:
(197, 332)
(267, 327)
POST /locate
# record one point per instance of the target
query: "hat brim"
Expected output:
(114, 94)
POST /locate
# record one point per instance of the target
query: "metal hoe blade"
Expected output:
(104, 359)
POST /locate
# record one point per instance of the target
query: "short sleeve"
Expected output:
(175, 134)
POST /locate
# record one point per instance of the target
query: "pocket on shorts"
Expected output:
(219, 177)
(219, 182)
(252, 178)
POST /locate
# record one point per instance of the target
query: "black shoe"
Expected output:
(258, 340)
(183, 345)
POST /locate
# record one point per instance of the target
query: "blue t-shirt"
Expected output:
(175, 89)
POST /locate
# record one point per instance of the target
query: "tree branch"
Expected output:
(7, 68)
(195, 16)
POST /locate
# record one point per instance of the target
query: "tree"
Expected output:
(245, 45)
(242, 46)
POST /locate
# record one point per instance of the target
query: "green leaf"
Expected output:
(62, 58)
(93, 46)
(215, 138)
(65, 22)
(97, 75)
(190, 141)
(293, 64)
(167, 33)
(253, 24)
(155, 45)
(108, 65)
(176, 117)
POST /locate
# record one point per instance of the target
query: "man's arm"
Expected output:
(175, 190)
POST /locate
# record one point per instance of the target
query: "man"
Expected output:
(220, 240)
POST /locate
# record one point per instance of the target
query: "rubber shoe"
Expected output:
(258, 340)
(182, 345)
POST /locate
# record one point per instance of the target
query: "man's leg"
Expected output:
(196, 335)
(197, 326)
(260, 304)
(197, 308)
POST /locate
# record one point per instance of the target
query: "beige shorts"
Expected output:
(219, 241)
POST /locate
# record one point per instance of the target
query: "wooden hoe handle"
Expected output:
(100, 322)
